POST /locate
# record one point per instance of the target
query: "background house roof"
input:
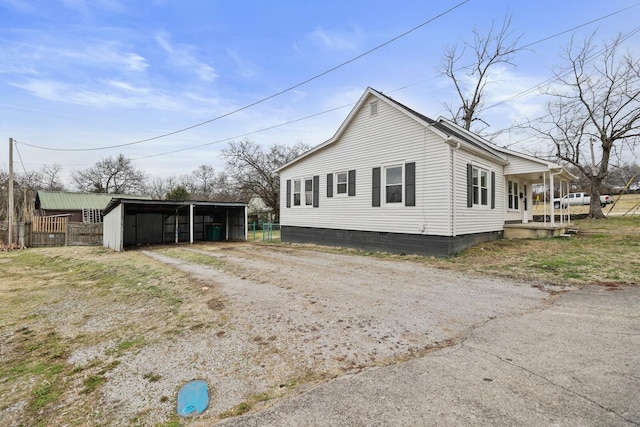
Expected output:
(59, 200)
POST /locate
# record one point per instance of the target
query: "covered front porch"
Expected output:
(546, 178)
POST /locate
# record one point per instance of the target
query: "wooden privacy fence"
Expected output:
(49, 224)
(59, 231)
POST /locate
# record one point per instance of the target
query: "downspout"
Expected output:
(453, 185)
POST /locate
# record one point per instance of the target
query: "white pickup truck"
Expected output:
(577, 199)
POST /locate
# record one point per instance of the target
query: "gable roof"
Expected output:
(60, 200)
(447, 130)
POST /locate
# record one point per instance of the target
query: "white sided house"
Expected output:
(394, 180)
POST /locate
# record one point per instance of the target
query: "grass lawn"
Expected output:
(603, 252)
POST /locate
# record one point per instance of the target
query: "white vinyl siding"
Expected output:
(389, 138)
(477, 219)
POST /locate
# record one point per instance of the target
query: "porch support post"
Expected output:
(544, 198)
(553, 208)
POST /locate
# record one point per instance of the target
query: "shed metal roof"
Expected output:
(60, 200)
(168, 204)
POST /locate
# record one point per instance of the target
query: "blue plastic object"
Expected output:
(193, 398)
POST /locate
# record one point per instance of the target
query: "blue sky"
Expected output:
(97, 73)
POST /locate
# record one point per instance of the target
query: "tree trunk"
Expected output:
(595, 210)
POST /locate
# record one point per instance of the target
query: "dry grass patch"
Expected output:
(69, 315)
(603, 251)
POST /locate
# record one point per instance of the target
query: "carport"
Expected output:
(138, 222)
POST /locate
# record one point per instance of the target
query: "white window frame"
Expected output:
(384, 185)
(477, 184)
(308, 198)
(513, 196)
(338, 183)
(299, 193)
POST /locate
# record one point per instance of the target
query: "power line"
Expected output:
(547, 81)
(317, 76)
(244, 134)
(579, 26)
(551, 79)
(535, 42)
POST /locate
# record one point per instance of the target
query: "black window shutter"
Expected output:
(352, 182)
(316, 191)
(469, 185)
(410, 184)
(329, 185)
(375, 199)
(493, 190)
(288, 193)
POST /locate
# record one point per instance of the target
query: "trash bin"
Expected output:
(214, 232)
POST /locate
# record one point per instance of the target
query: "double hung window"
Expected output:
(341, 183)
(308, 192)
(296, 192)
(393, 184)
(512, 195)
(480, 187)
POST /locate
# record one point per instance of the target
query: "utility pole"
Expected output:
(10, 213)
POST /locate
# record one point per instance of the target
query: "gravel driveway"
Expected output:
(296, 317)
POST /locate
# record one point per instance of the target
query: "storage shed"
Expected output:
(137, 222)
(79, 207)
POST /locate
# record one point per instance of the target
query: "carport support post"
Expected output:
(177, 216)
(191, 224)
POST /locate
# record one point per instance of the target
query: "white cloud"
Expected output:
(336, 40)
(112, 93)
(183, 57)
(245, 68)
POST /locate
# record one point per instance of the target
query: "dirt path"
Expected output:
(295, 316)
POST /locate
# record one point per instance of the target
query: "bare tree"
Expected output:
(111, 176)
(594, 111)
(51, 177)
(623, 177)
(204, 179)
(157, 188)
(253, 169)
(469, 69)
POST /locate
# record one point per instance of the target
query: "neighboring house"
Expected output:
(394, 180)
(259, 211)
(79, 207)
